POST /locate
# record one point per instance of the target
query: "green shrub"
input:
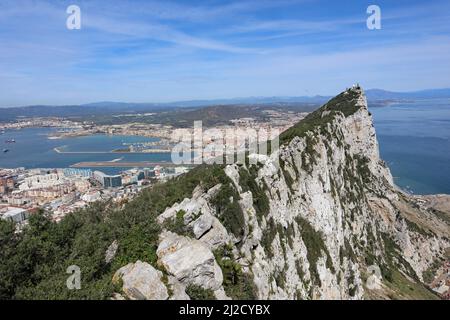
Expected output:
(229, 212)
(268, 236)
(176, 225)
(247, 180)
(314, 246)
(198, 293)
(237, 284)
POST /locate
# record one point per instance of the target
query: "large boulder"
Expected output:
(216, 236)
(189, 260)
(141, 282)
(202, 225)
(178, 289)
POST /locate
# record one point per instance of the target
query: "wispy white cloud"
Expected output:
(158, 32)
(198, 13)
(170, 50)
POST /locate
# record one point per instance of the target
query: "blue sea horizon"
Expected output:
(414, 140)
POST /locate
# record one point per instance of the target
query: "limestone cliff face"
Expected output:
(320, 215)
(331, 186)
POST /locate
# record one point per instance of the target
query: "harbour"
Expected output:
(33, 149)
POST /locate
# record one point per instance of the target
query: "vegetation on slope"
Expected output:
(398, 275)
(405, 289)
(315, 248)
(176, 225)
(34, 261)
(237, 284)
(199, 293)
(268, 236)
(228, 209)
(247, 180)
(343, 103)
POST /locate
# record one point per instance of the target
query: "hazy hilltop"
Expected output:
(103, 111)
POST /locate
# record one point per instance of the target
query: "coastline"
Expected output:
(112, 151)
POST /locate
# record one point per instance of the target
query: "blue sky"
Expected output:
(159, 51)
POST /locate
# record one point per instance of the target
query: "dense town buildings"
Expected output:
(61, 191)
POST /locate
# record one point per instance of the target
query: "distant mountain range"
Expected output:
(372, 94)
(110, 107)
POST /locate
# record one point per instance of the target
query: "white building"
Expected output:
(181, 170)
(14, 214)
(91, 196)
(41, 181)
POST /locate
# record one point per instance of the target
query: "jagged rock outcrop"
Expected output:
(190, 261)
(141, 282)
(178, 290)
(200, 216)
(313, 220)
(199, 203)
(334, 210)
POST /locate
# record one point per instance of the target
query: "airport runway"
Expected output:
(142, 164)
(149, 151)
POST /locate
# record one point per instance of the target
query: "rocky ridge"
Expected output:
(320, 218)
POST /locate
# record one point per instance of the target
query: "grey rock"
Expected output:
(178, 290)
(141, 282)
(216, 236)
(190, 261)
(111, 251)
(202, 225)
